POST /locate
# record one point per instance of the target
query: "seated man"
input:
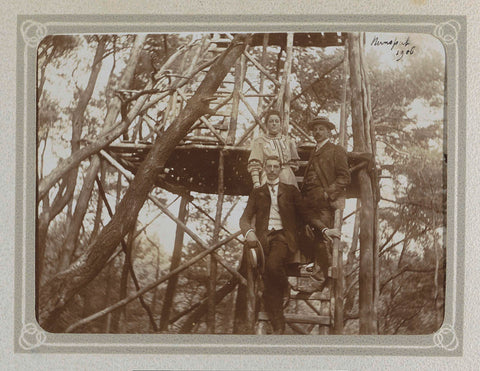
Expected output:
(276, 208)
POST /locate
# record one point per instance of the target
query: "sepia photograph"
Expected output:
(280, 183)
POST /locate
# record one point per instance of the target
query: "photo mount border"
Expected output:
(29, 337)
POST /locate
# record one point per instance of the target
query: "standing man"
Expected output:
(324, 184)
(272, 216)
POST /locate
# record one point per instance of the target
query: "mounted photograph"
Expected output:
(283, 183)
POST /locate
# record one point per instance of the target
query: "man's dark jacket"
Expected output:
(332, 161)
(292, 212)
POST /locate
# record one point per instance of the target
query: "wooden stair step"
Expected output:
(296, 318)
(323, 296)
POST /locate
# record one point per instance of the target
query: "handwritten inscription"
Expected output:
(399, 48)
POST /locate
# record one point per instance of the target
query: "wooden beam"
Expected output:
(337, 248)
(253, 113)
(360, 137)
(251, 295)
(175, 262)
(239, 72)
(167, 212)
(263, 61)
(213, 219)
(206, 122)
(127, 251)
(316, 80)
(250, 129)
(302, 132)
(135, 295)
(284, 93)
(216, 231)
(261, 68)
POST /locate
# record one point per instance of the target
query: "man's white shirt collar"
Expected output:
(273, 183)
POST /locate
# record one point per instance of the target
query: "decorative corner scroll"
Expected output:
(447, 31)
(446, 338)
(33, 32)
(31, 337)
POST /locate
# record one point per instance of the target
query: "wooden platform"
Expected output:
(301, 39)
(195, 166)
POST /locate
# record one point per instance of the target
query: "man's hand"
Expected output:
(256, 185)
(251, 238)
(331, 233)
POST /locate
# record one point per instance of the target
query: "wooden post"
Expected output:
(176, 256)
(216, 231)
(251, 297)
(237, 89)
(370, 127)
(263, 61)
(362, 143)
(288, 92)
(337, 248)
(343, 110)
(282, 105)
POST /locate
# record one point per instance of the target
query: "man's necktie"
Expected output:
(272, 187)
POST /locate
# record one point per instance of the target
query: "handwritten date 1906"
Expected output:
(398, 47)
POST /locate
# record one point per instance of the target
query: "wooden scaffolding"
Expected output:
(212, 159)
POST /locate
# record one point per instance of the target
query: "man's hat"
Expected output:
(321, 120)
(256, 258)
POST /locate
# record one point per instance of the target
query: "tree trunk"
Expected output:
(111, 132)
(60, 289)
(98, 212)
(70, 178)
(176, 257)
(116, 315)
(73, 230)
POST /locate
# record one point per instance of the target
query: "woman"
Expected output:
(273, 143)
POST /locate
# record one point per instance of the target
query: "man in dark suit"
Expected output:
(324, 183)
(272, 216)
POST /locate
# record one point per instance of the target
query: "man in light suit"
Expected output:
(324, 183)
(273, 216)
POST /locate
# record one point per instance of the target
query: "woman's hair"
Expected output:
(270, 113)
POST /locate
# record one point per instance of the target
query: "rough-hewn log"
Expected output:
(284, 94)
(135, 295)
(212, 283)
(263, 62)
(167, 212)
(237, 89)
(367, 213)
(61, 288)
(337, 248)
(240, 325)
